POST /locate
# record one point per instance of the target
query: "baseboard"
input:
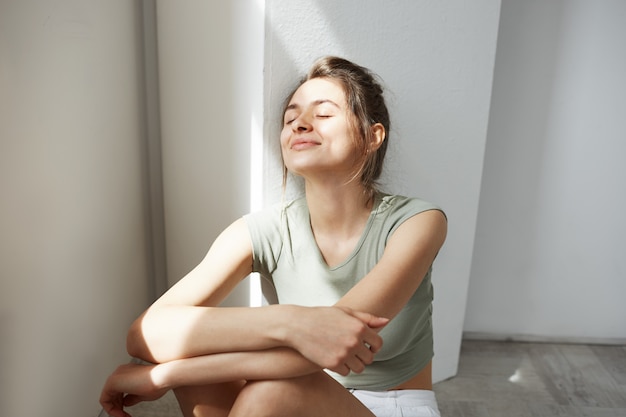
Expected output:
(497, 337)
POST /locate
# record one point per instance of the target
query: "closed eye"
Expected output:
(289, 118)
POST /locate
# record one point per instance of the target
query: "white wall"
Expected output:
(437, 60)
(549, 260)
(74, 259)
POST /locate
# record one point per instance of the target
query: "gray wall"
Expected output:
(73, 202)
(210, 88)
(550, 254)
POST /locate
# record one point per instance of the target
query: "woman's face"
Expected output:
(317, 134)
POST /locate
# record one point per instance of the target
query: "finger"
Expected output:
(373, 341)
(115, 411)
(342, 369)
(131, 400)
(355, 365)
(371, 320)
(365, 354)
(112, 405)
(378, 322)
(120, 413)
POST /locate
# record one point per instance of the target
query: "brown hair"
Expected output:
(364, 96)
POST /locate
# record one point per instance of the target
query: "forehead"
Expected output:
(319, 89)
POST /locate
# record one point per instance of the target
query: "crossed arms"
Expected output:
(191, 341)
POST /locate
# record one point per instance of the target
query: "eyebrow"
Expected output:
(315, 103)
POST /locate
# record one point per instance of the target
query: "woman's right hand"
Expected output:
(128, 385)
(335, 338)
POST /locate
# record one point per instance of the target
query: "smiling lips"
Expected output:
(302, 144)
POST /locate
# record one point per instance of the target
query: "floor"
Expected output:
(536, 380)
(505, 379)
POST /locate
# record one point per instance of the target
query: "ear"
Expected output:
(379, 136)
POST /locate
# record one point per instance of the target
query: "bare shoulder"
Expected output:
(426, 230)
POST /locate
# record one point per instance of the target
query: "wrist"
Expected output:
(283, 324)
(162, 376)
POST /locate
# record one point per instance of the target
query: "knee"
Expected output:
(266, 398)
(189, 394)
(209, 400)
(189, 398)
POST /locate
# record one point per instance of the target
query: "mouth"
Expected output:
(302, 144)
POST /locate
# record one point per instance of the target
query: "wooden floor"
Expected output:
(498, 379)
(503, 379)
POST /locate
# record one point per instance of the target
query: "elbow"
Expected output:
(136, 344)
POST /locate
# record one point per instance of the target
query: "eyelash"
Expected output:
(320, 116)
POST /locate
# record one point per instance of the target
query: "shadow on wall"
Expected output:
(6, 333)
(523, 85)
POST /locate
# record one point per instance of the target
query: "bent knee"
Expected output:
(264, 394)
(275, 397)
(213, 400)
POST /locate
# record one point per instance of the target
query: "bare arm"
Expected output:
(186, 323)
(386, 289)
(164, 332)
(383, 292)
(408, 256)
(133, 383)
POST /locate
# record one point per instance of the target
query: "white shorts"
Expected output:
(399, 403)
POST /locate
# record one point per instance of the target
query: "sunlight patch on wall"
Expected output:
(256, 195)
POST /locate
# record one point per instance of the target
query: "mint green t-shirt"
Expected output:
(285, 253)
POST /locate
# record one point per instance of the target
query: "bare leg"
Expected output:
(208, 400)
(312, 395)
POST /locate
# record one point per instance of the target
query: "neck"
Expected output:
(341, 210)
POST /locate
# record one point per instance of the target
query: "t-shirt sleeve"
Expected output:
(265, 232)
(405, 208)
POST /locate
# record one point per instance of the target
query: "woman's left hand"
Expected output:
(130, 384)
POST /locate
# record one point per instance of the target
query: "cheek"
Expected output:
(284, 137)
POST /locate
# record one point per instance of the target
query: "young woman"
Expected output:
(352, 333)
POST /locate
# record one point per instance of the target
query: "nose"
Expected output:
(301, 123)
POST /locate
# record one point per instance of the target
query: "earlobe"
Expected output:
(379, 136)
